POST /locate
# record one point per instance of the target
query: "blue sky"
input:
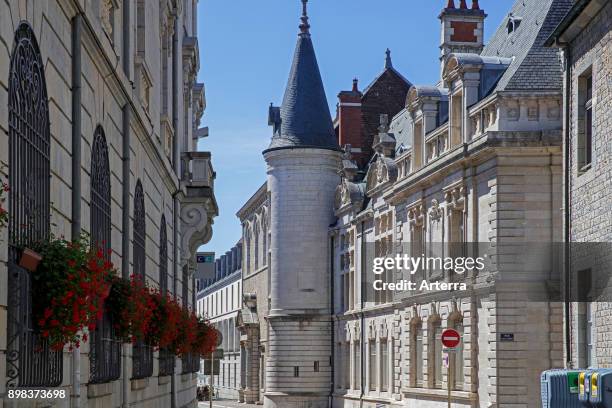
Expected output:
(246, 49)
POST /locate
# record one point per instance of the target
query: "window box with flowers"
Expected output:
(69, 289)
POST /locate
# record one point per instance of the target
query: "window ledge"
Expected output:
(139, 384)
(100, 390)
(188, 376)
(440, 393)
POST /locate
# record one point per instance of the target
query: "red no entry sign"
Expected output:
(451, 338)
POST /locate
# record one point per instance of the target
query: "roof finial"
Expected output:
(388, 62)
(305, 27)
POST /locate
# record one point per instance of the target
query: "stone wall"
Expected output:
(106, 88)
(590, 219)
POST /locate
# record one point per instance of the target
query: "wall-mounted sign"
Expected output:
(506, 337)
(205, 265)
(208, 258)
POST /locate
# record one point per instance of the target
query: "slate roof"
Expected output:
(401, 128)
(305, 120)
(535, 67)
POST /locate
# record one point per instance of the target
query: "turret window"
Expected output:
(585, 121)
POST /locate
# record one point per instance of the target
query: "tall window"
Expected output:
(105, 350)
(29, 209)
(139, 232)
(435, 357)
(142, 354)
(589, 338)
(417, 248)
(457, 240)
(256, 232)
(166, 357)
(585, 121)
(458, 375)
(163, 257)
(357, 364)
(346, 359)
(140, 28)
(416, 355)
(373, 365)
(185, 293)
(456, 119)
(384, 365)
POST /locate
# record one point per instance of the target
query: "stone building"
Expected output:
(470, 166)
(255, 220)
(220, 299)
(585, 39)
(100, 116)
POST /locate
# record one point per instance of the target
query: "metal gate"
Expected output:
(30, 362)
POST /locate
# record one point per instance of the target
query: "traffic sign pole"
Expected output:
(451, 339)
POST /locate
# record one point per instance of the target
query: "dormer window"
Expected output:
(513, 23)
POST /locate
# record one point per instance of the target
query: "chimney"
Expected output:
(350, 125)
(462, 30)
(451, 4)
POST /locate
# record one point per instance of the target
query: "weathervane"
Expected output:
(305, 27)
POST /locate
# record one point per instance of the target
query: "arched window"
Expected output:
(105, 349)
(100, 193)
(416, 353)
(256, 232)
(163, 257)
(139, 232)
(29, 362)
(166, 357)
(142, 359)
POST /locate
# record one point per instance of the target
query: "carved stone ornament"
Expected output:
(435, 213)
(380, 170)
(455, 197)
(372, 330)
(384, 329)
(345, 194)
(416, 215)
(197, 230)
(106, 15)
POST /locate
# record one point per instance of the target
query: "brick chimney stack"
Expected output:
(462, 29)
(350, 124)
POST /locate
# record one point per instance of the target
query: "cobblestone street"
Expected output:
(226, 404)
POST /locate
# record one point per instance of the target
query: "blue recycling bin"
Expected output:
(600, 395)
(584, 387)
(560, 389)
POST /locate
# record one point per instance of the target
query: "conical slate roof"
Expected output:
(305, 120)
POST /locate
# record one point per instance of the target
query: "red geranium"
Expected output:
(69, 290)
(167, 316)
(206, 338)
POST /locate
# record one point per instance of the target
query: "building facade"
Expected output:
(584, 37)
(100, 116)
(254, 217)
(219, 299)
(469, 165)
